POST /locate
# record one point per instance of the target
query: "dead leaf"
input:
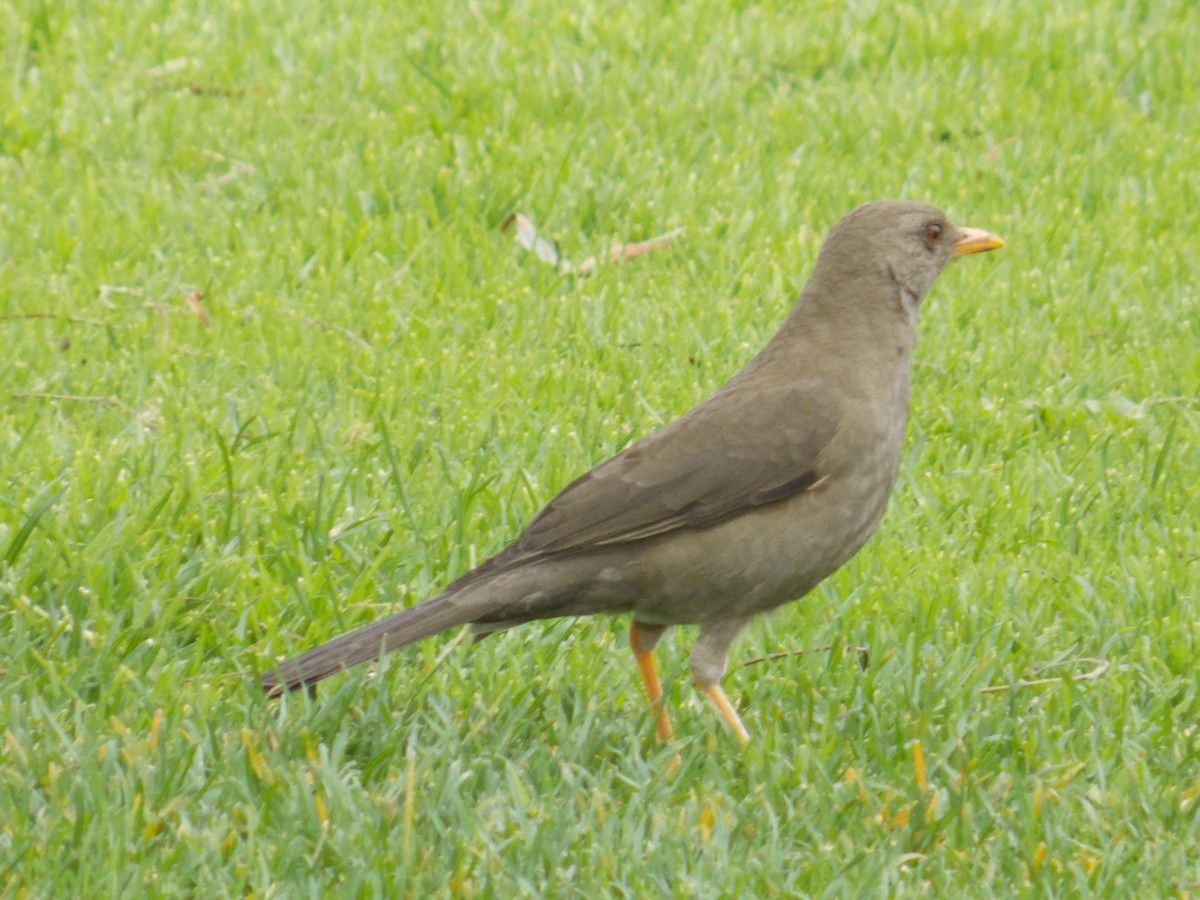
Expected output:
(527, 235)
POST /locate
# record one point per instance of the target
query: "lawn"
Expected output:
(272, 369)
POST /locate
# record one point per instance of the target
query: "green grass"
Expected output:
(390, 388)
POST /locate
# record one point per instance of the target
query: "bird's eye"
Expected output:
(933, 232)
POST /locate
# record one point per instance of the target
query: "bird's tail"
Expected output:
(406, 627)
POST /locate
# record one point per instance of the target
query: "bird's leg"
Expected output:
(720, 701)
(642, 638)
(709, 657)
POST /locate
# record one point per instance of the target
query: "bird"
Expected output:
(744, 503)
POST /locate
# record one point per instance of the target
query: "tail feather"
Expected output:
(406, 627)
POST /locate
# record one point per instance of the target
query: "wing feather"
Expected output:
(694, 473)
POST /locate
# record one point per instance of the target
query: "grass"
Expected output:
(388, 388)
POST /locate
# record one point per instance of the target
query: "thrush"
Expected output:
(744, 503)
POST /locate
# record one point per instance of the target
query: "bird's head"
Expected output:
(898, 242)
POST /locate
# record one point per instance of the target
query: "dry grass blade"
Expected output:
(451, 644)
(146, 418)
(1101, 666)
(195, 302)
(329, 326)
(49, 315)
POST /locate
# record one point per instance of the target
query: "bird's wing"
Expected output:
(746, 446)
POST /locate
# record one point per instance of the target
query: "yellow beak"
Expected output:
(976, 240)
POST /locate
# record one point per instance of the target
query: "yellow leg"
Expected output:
(645, 662)
(717, 697)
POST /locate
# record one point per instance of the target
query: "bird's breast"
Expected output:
(773, 554)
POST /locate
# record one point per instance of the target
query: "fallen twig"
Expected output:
(548, 252)
(864, 655)
(622, 252)
(1100, 667)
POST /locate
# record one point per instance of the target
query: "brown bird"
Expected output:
(746, 502)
